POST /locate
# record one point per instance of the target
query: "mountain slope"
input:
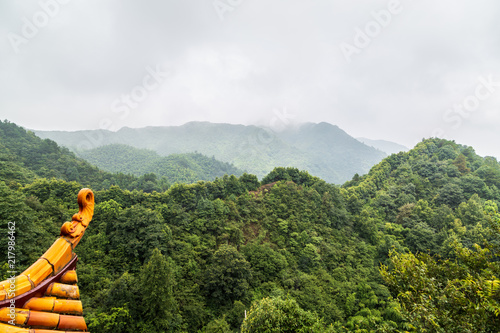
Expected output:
(321, 149)
(434, 210)
(26, 157)
(187, 168)
(424, 192)
(332, 150)
(387, 147)
(12, 171)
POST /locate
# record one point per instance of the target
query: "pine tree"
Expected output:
(159, 307)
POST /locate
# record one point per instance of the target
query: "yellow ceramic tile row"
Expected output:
(63, 291)
(69, 277)
(52, 304)
(5, 328)
(42, 319)
(14, 287)
(59, 254)
(56, 257)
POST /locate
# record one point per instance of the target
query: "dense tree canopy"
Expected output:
(174, 168)
(411, 246)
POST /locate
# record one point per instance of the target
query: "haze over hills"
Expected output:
(322, 149)
(188, 168)
(387, 147)
(25, 157)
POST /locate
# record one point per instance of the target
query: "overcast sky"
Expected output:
(394, 70)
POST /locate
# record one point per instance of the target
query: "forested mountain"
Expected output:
(412, 246)
(24, 157)
(387, 147)
(322, 149)
(438, 201)
(185, 168)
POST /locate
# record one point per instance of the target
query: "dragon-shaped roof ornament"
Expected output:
(45, 297)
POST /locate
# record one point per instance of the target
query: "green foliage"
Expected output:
(23, 152)
(450, 295)
(159, 307)
(22, 238)
(280, 315)
(444, 295)
(291, 174)
(174, 168)
(194, 257)
(136, 232)
(227, 278)
(118, 321)
(218, 326)
(266, 263)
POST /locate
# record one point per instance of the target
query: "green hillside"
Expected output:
(25, 157)
(185, 168)
(412, 246)
(322, 149)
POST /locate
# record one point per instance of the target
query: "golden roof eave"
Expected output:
(50, 277)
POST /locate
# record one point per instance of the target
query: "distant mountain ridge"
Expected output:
(25, 157)
(322, 149)
(387, 147)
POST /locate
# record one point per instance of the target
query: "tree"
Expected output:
(444, 295)
(19, 234)
(227, 278)
(158, 304)
(447, 152)
(249, 182)
(461, 163)
(137, 231)
(310, 258)
(451, 195)
(118, 321)
(280, 315)
(421, 238)
(266, 263)
(217, 326)
(471, 212)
